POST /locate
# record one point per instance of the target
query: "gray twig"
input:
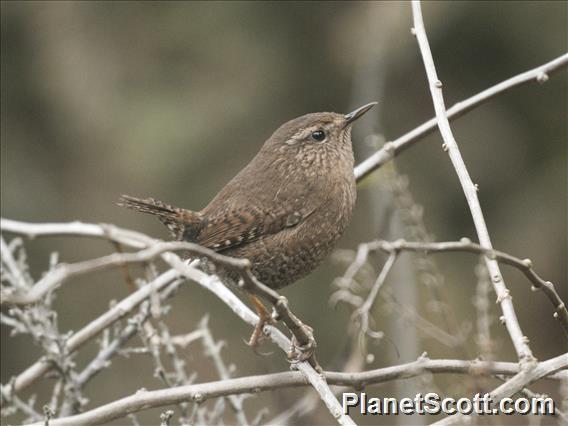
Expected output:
(466, 245)
(554, 368)
(391, 149)
(520, 342)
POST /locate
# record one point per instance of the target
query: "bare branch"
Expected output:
(390, 149)
(255, 384)
(91, 330)
(210, 282)
(213, 284)
(363, 312)
(482, 306)
(520, 342)
(466, 245)
(17, 277)
(213, 349)
(523, 378)
(155, 248)
(63, 271)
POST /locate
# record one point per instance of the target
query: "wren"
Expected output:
(286, 209)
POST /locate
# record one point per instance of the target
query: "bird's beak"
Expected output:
(354, 115)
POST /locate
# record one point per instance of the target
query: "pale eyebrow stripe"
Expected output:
(303, 133)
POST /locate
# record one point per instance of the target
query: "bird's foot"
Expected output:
(304, 352)
(264, 318)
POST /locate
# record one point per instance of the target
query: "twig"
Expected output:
(63, 271)
(17, 277)
(213, 284)
(390, 149)
(210, 282)
(520, 342)
(23, 406)
(523, 378)
(166, 417)
(412, 218)
(482, 305)
(345, 294)
(530, 394)
(427, 327)
(255, 384)
(39, 368)
(466, 245)
(363, 312)
(213, 350)
(155, 248)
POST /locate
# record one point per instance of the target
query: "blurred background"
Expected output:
(171, 99)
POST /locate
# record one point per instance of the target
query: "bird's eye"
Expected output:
(318, 135)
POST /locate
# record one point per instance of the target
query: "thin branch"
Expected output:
(24, 407)
(345, 293)
(412, 317)
(77, 229)
(523, 378)
(482, 306)
(213, 350)
(390, 149)
(364, 310)
(466, 245)
(64, 272)
(143, 399)
(18, 278)
(210, 282)
(154, 248)
(520, 342)
(91, 330)
(530, 394)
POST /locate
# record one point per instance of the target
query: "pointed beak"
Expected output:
(354, 115)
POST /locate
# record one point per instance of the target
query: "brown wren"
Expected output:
(286, 209)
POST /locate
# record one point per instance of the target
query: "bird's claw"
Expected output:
(300, 353)
(259, 334)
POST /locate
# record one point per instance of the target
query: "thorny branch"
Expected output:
(22, 291)
(241, 266)
(363, 312)
(169, 278)
(520, 341)
(539, 74)
(213, 349)
(466, 245)
(523, 378)
(179, 267)
(554, 368)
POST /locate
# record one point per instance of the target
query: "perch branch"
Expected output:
(155, 248)
(212, 283)
(209, 282)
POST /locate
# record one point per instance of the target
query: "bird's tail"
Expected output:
(176, 219)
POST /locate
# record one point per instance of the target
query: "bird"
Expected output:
(285, 210)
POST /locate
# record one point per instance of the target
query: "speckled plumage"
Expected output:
(286, 209)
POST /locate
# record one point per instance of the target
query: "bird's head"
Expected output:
(313, 134)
